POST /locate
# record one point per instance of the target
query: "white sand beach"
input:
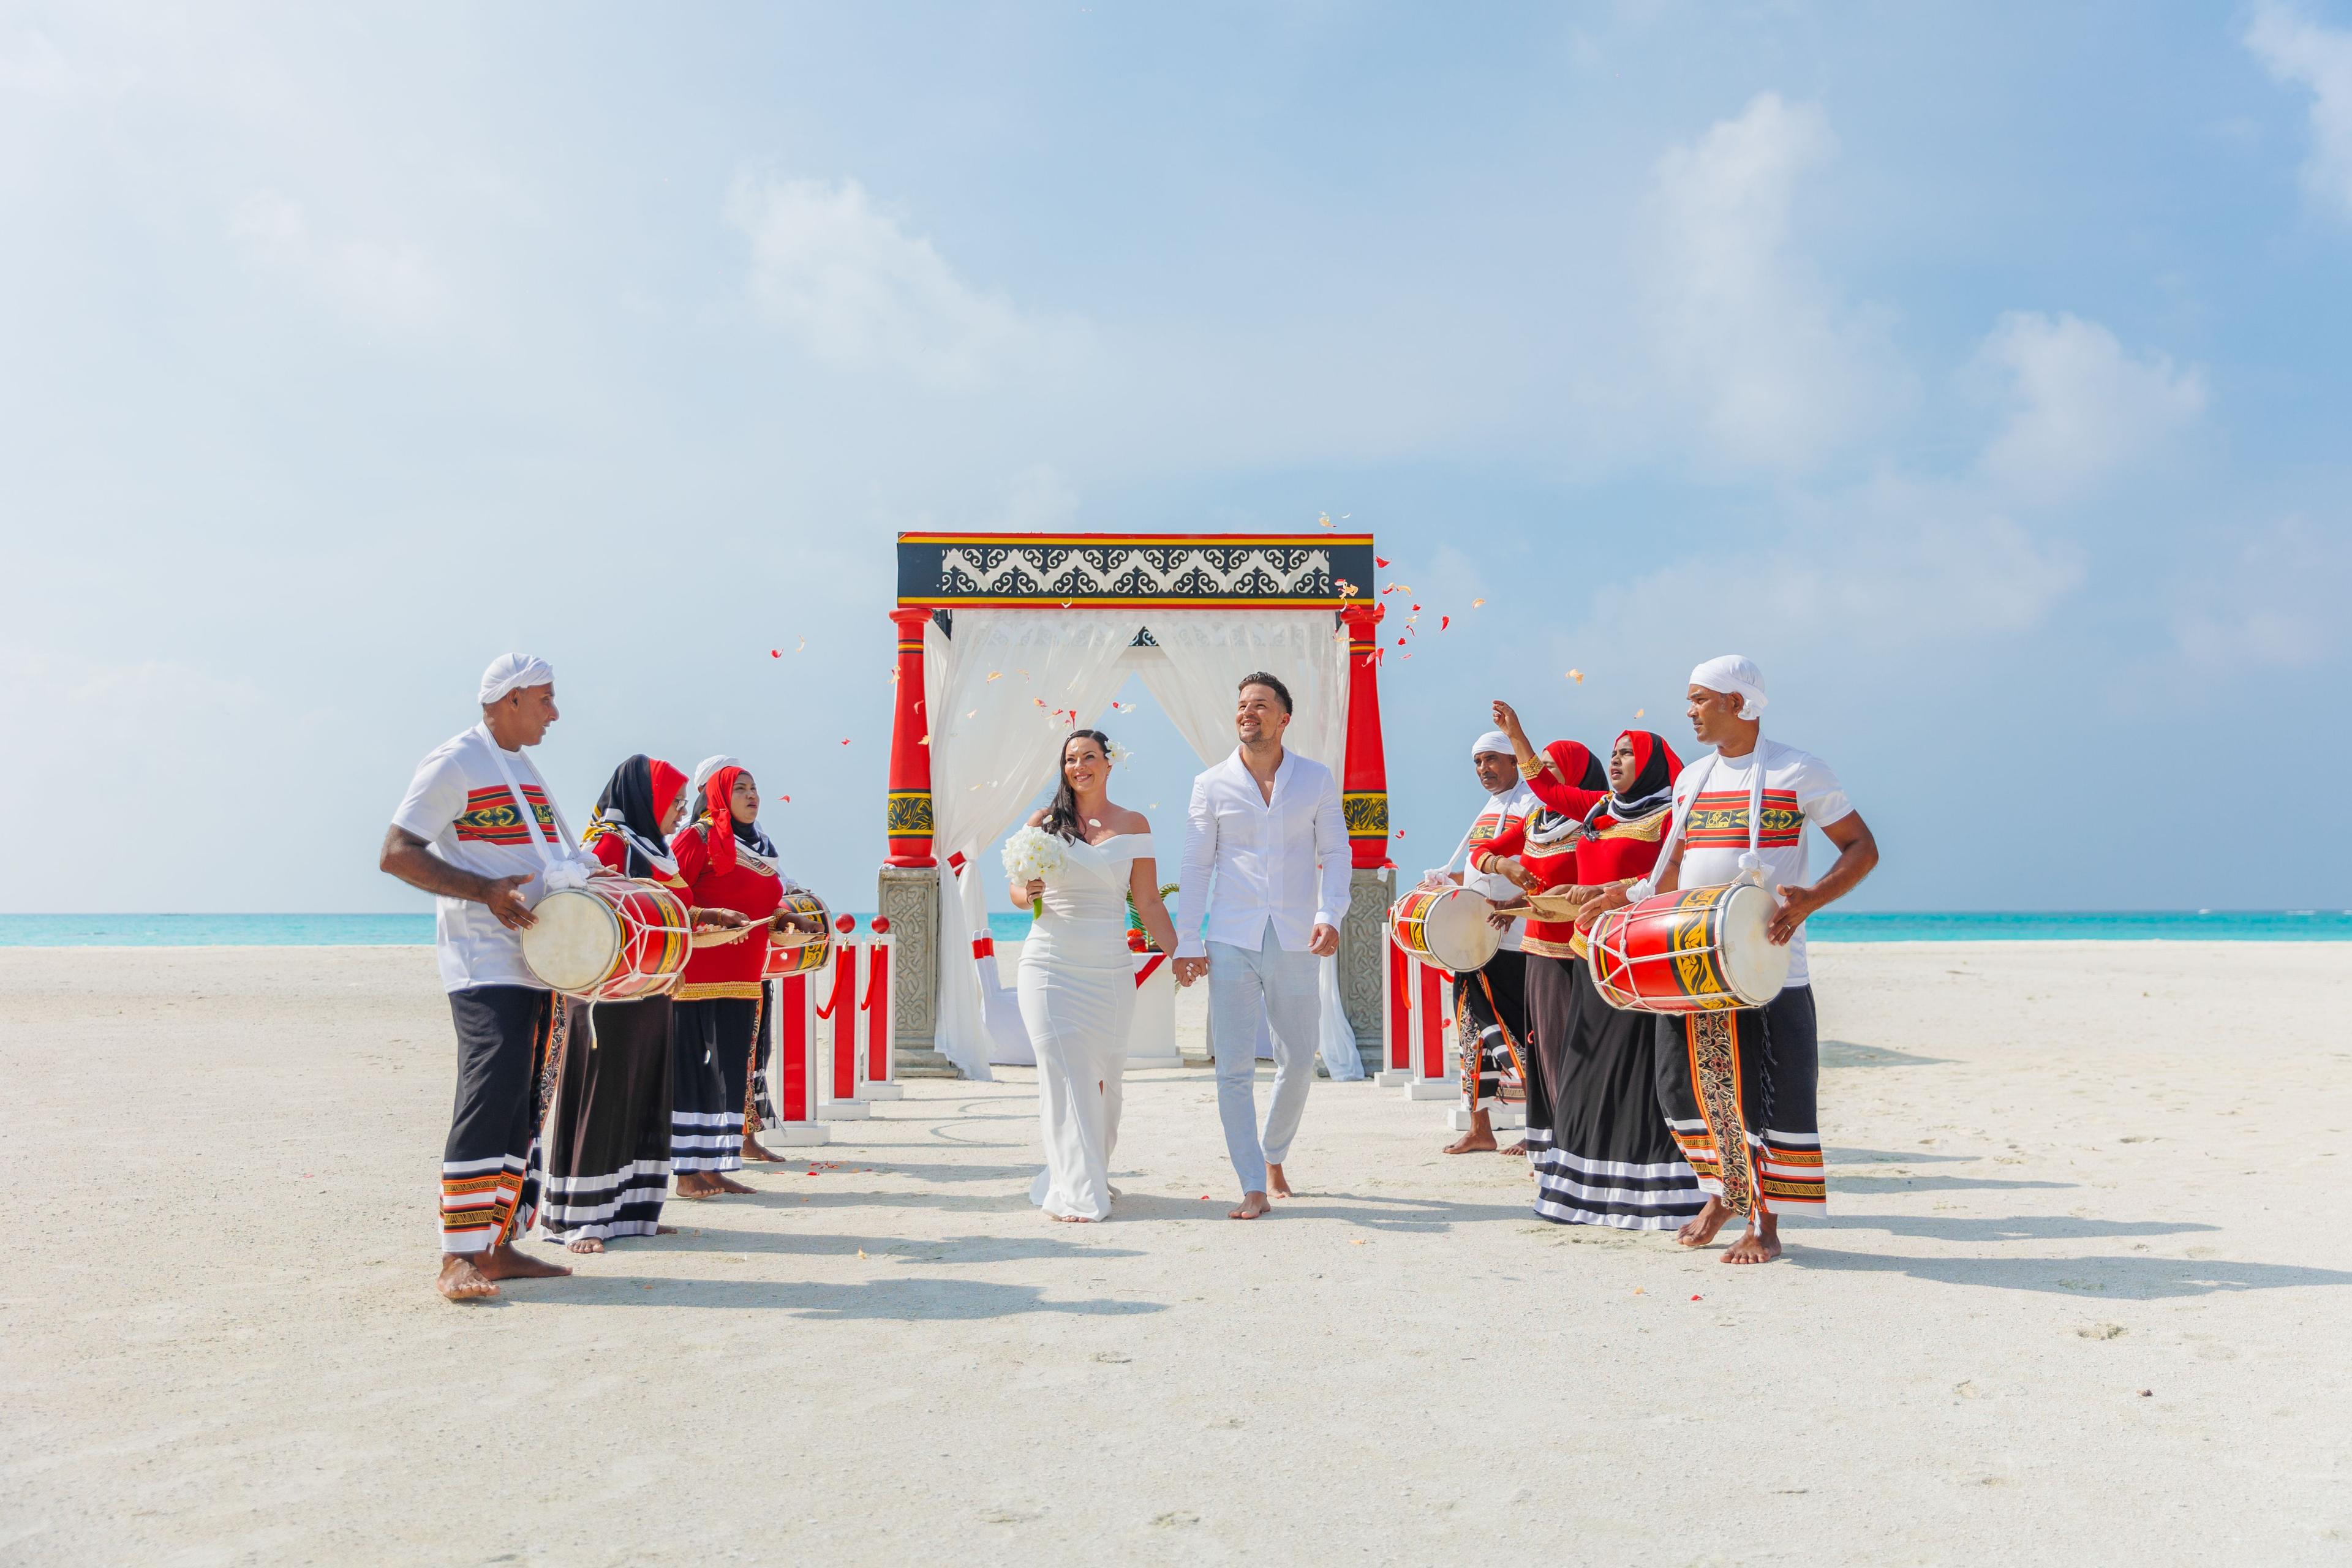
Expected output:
(2073, 1302)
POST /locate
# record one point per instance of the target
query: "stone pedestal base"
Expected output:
(1393, 1077)
(796, 1135)
(1433, 1089)
(910, 897)
(844, 1110)
(1364, 961)
(881, 1091)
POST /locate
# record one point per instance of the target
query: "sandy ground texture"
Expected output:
(2079, 1299)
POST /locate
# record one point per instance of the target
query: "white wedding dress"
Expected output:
(1078, 997)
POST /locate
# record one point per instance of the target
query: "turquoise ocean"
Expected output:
(400, 931)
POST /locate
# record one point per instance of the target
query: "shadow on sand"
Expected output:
(1060, 1243)
(905, 1299)
(2013, 1228)
(1852, 1054)
(2135, 1279)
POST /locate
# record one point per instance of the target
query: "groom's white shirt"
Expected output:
(1265, 856)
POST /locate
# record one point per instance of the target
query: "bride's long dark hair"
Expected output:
(1062, 816)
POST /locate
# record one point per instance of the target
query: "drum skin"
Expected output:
(804, 957)
(1696, 951)
(1444, 928)
(615, 940)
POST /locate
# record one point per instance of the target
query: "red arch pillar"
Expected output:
(1364, 783)
(909, 822)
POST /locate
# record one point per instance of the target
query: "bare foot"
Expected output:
(1475, 1142)
(698, 1184)
(587, 1244)
(1276, 1185)
(1700, 1228)
(1760, 1245)
(1518, 1148)
(730, 1184)
(1073, 1219)
(1252, 1206)
(507, 1263)
(460, 1280)
(754, 1149)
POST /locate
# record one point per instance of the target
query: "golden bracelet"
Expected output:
(1529, 770)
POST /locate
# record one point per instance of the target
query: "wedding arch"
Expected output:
(1008, 640)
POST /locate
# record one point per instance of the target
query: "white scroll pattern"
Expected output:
(1136, 572)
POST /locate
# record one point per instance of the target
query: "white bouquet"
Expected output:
(1030, 855)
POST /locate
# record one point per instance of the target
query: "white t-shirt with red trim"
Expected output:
(459, 803)
(1799, 788)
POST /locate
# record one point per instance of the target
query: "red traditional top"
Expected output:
(751, 887)
(614, 850)
(1544, 843)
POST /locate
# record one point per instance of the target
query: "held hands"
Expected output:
(1796, 903)
(1188, 970)
(1323, 943)
(505, 903)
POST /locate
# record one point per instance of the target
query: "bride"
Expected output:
(1078, 977)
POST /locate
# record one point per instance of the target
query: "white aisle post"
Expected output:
(1151, 1037)
(876, 1070)
(836, 1068)
(791, 1087)
(1432, 1009)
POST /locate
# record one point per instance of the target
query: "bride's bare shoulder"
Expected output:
(1120, 819)
(1037, 817)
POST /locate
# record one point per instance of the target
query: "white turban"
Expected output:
(511, 672)
(1734, 675)
(702, 772)
(1493, 741)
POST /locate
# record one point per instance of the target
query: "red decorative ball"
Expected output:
(882, 925)
(844, 924)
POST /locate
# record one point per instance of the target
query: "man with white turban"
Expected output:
(1490, 1005)
(1740, 1086)
(479, 829)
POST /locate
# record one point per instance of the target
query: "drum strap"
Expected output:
(555, 847)
(1751, 864)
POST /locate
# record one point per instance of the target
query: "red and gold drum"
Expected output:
(1444, 928)
(614, 939)
(797, 952)
(1690, 952)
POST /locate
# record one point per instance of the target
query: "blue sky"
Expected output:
(1982, 371)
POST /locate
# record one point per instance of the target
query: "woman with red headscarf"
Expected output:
(1537, 854)
(729, 865)
(608, 1144)
(1610, 1158)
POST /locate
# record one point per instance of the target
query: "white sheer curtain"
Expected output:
(1206, 653)
(998, 694)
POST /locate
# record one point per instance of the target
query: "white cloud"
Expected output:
(1777, 369)
(384, 285)
(844, 278)
(2080, 408)
(2279, 603)
(2307, 55)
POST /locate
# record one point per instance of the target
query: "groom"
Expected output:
(1266, 824)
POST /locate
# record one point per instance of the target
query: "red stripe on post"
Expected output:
(844, 1023)
(1432, 1021)
(793, 1048)
(878, 1013)
(1399, 1010)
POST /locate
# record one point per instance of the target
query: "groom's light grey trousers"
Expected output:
(1280, 987)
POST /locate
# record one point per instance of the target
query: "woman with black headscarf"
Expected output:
(1612, 1159)
(608, 1147)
